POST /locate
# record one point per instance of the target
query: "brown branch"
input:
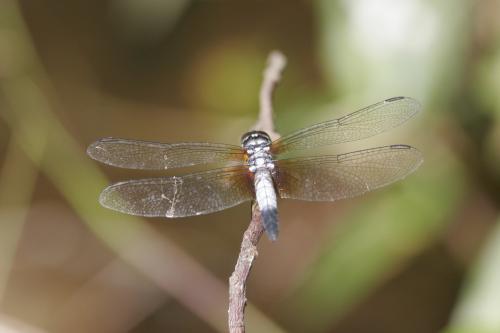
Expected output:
(237, 281)
(276, 62)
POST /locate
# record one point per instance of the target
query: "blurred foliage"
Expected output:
(71, 72)
(478, 310)
(389, 230)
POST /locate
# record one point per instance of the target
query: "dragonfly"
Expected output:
(259, 168)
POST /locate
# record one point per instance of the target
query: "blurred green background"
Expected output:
(422, 255)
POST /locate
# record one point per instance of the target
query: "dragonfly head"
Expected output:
(255, 139)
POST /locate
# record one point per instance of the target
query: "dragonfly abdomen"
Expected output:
(266, 199)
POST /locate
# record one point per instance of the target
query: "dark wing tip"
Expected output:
(401, 146)
(410, 101)
(417, 156)
(393, 99)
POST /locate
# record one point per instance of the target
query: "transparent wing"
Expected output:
(194, 194)
(334, 177)
(361, 124)
(133, 154)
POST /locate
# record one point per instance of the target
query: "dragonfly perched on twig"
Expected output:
(256, 171)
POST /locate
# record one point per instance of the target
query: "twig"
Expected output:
(248, 252)
(272, 74)
(238, 280)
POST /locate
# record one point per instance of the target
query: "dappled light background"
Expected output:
(421, 255)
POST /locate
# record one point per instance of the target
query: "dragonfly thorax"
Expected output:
(257, 145)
